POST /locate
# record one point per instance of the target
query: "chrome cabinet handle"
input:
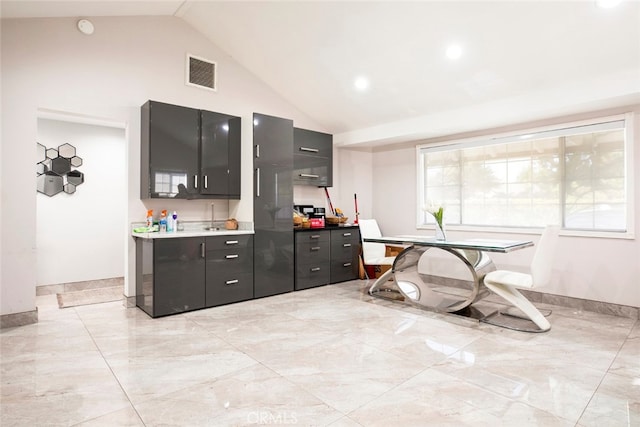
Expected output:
(307, 175)
(231, 282)
(310, 150)
(315, 248)
(346, 234)
(231, 242)
(231, 256)
(257, 182)
(346, 245)
(314, 269)
(195, 181)
(346, 264)
(314, 236)
(202, 250)
(257, 151)
(206, 182)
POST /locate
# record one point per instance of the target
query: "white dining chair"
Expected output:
(373, 253)
(506, 283)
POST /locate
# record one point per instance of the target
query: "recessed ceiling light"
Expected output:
(361, 83)
(454, 51)
(607, 4)
(85, 26)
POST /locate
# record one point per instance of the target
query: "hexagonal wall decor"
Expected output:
(75, 177)
(55, 169)
(52, 153)
(41, 152)
(61, 166)
(50, 183)
(67, 151)
(69, 188)
(76, 161)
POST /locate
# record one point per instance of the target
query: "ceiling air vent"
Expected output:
(201, 72)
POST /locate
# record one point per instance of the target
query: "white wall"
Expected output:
(49, 64)
(79, 235)
(598, 269)
(353, 173)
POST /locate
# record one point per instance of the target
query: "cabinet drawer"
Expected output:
(344, 250)
(312, 143)
(229, 242)
(310, 252)
(312, 158)
(237, 259)
(313, 246)
(314, 177)
(311, 275)
(342, 271)
(319, 236)
(226, 287)
(346, 235)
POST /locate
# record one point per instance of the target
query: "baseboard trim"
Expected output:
(61, 288)
(583, 304)
(129, 302)
(18, 319)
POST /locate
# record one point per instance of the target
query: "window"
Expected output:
(576, 175)
(166, 183)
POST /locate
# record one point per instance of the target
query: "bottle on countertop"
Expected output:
(150, 218)
(163, 220)
(174, 220)
(169, 224)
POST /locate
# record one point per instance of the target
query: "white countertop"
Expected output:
(191, 233)
(195, 229)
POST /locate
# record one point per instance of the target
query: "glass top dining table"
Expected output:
(438, 275)
(488, 245)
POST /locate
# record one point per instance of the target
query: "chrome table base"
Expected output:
(403, 282)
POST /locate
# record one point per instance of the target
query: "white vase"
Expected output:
(440, 234)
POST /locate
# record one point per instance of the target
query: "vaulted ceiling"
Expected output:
(520, 60)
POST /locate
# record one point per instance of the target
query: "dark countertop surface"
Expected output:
(337, 227)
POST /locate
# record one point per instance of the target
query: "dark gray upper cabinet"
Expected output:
(220, 155)
(272, 204)
(188, 153)
(313, 158)
(169, 150)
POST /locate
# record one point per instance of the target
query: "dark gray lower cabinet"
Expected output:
(170, 275)
(229, 269)
(326, 256)
(345, 249)
(312, 259)
(178, 274)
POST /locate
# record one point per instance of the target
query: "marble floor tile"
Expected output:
(626, 361)
(327, 356)
(434, 398)
(127, 417)
(615, 403)
(254, 395)
(343, 373)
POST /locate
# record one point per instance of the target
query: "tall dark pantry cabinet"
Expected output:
(272, 204)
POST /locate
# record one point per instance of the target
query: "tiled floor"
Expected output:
(325, 356)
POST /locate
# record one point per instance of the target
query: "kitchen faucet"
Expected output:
(212, 227)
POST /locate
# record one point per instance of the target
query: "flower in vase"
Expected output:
(437, 212)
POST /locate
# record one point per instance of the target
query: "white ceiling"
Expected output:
(521, 61)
